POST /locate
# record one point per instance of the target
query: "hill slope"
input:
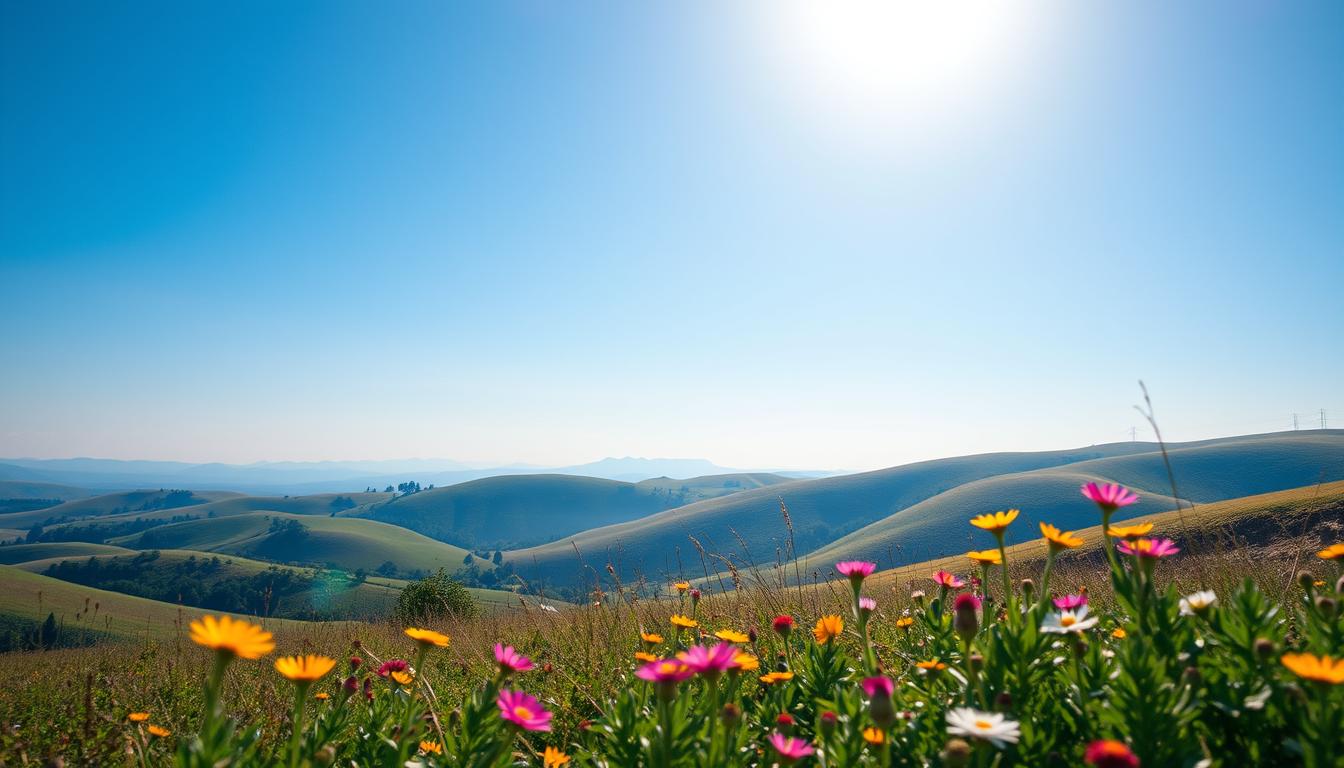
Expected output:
(109, 504)
(521, 510)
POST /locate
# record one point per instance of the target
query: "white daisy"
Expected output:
(1199, 602)
(1064, 622)
(989, 726)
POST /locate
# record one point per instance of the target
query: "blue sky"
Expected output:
(770, 234)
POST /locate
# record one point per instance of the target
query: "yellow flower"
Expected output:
(987, 557)
(553, 758)
(1332, 552)
(138, 717)
(995, 523)
(652, 638)
(646, 657)
(746, 662)
(1059, 539)
(682, 586)
(427, 637)
(1318, 583)
(322, 696)
(874, 736)
(402, 678)
(828, 628)
(932, 665)
(158, 730)
(1118, 633)
(232, 636)
(1321, 669)
(431, 747)
(905, 622)
(685, 622)
(304, 669)
(731, 636)
(776, 677)
(1129, 531)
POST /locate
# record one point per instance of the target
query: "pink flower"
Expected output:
(875, 687)
(510, 660)
(1149, 548)
(708, 661)
(856, 569)
(664, 671)
(524, 711)
(1110, 496)
(867, 604)
(1070, 602)
(392, 665)
(790, 750)
(966, 601)
(948, 580)
(783, 625)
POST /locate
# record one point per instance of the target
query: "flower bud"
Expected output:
(1305, 580)
(1339, 585)
(355, 661)
(966, 620)
(1326, 606)
(585, 724)
(956, 753)
(1004, 700)
(1192, 676)
(730, 715)
(1028, 589)
(1264, 648)
(827, 723)
(977, 662)
(782, 625)
(918, 597)
(350, 685)
(784, 723)
(751, 635)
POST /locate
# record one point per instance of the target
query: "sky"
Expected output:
(771, 234)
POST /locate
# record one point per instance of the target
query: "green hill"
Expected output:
(521, 510)
(1204, 473)
(828, 509)
(15, 554)
(114, 504)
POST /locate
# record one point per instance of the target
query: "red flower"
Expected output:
(1109, 753)
(783, 624)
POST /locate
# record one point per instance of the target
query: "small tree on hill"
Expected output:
(434, 596)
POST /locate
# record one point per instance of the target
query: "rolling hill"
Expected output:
(110, 504)
(25, 553)
(521, 510)
(827, 510)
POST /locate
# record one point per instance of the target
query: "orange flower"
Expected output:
(905, 622)
(932, 665)
(1118, 633)
(304, 669)
(1059, 539)
(402, 678)
(828, 628)
(322, 696)
(995, 523)
(553, 758)
(431, 747)
(731, 636)
(232, 636)
(874, 736)
(1129, 531)
(1322, 669)
(746, 662)
(770, 678)
(1332, 552)
(987, 557)
(138, 717)
(427, 637)
(159, 731)
(652, 638)
(682, 586)
(645, 657)
(685, 622)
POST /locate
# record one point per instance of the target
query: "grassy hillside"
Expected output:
(26, 553)
(337, 542)
(825, 510)
(521, 510)
(1204, 473)
(111, 504)
(25, 489)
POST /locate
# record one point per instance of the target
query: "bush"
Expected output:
(432, 597)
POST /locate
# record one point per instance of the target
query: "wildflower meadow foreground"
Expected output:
(979, 670)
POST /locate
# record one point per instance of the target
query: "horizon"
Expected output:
(781, 235)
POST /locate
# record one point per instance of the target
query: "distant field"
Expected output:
(131, 503)
(23, 553)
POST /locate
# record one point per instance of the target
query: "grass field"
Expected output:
(123, 504)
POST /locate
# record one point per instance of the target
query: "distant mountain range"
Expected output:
(294, 477)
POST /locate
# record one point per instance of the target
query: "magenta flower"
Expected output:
(790, 750)
(867, 604)
(875, 687)
(966, 601)
(856, 569)
(948, 580)
(708, 661)
(523, 711)
(1149, 548)
(1110, 496)
(510, 660)
(664, 671)
(1070, 602)
(392, 665)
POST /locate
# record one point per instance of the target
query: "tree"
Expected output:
(47, 635)
(498, 559)
(467, 560)
(388, 489)
(388, 568)
(433, 597)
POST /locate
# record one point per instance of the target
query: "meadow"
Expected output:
(1195, 637)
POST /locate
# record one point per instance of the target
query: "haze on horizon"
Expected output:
(784, 235)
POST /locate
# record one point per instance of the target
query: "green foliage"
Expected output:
(432, 597)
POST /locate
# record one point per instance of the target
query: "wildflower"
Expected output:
(652, 638)
(233, 637)
(770, 678)
(874, 736)
(304, 669)
(1064, 622)
(932, 665)
(553, 758)
(1070, 602)
(745, 662)
(682, 586)
(645, 657)
(1322, 669)
(695, 596)
(947, 580)
(1198, 603)
(431, 748)
(856, 570)
(995, 523)
(867, 605)
(988, 726)
(1110, 496)
(1129, 531)
(790, 750)
(1332, 552)
(402, 678)
(427, 638)
(685, 622)
(392, 665)
(510, 660)
(731, 636)
(828, 628)
(987, 557)
(877, 686)
(1109, 753)
(664, 671)
(785, 720)
(1119, 633)
(159, 731)
(523, 711)
(321, 695)
(1058, 539)
(138, 717)
(709, 662)
(1148, 549)
(964, 619)
(783, 625)
(828, 721)
(905, 622)
(918, 596)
